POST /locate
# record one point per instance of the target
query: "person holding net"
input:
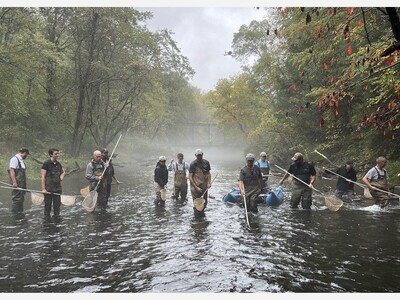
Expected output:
(95, 174)
(200, 181)
(17, 172)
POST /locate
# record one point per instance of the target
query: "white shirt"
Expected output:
(173, 166)
(14, 162)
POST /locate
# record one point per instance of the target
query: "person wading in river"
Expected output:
(200, 180)
(251, 183)
(345, 188)
(377, 177)
(17, 172)
(52, 174)
(109, 174)
(94, 173)
(264, 165)
(305, 172)
(181, 174)
(160, 180)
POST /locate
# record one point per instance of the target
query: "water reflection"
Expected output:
(138, 247)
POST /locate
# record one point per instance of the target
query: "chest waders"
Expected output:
(52, 184)
(102, 198)
(265, 171)
(381, 199)
(17, 196)
(180, 184)
(201, 180)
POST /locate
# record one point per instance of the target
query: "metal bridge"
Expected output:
(200, 134)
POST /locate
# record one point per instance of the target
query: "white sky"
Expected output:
(204, 35)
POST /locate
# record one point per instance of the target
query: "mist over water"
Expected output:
(136, 247)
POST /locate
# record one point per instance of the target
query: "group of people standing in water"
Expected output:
(198, 173)
(99, 172)
(253, 180)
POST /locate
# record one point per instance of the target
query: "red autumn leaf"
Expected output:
(331, 103)
(336, 104)
(365, 88)
(301, 109)
(360, 22)
(322, 96)
(384, 132)
(331, 79)
(325, 66)
(351, 74)
(321, 122)
(293, 87)
(389, 61)
(320, 105)
(349, 50)
(336, 113)
(350, 10)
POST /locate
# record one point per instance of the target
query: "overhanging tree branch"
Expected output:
(371, 75)
(395, 24)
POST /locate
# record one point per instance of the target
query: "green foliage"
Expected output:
(326, 84)
(78, 77)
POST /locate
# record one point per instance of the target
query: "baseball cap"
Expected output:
(250, 156)
(23, 150)
(162, 158)
(263, 154)
(198, 152)
(104, 150)
(297, 155)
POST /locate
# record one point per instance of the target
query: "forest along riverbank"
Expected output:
(137, 247)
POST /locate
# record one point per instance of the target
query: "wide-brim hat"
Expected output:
(199, 204)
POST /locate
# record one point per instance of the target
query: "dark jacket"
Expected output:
(303, 171)
(342, 184)
(161, 174)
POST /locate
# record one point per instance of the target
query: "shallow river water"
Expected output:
(136, 247)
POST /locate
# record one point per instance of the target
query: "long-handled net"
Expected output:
(85, 191)
(89, 203)
(37, 197)
(332, 202)
(199, 202)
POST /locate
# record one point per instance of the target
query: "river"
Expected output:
(135, 247)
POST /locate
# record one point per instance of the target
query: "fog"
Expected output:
(134, 150)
